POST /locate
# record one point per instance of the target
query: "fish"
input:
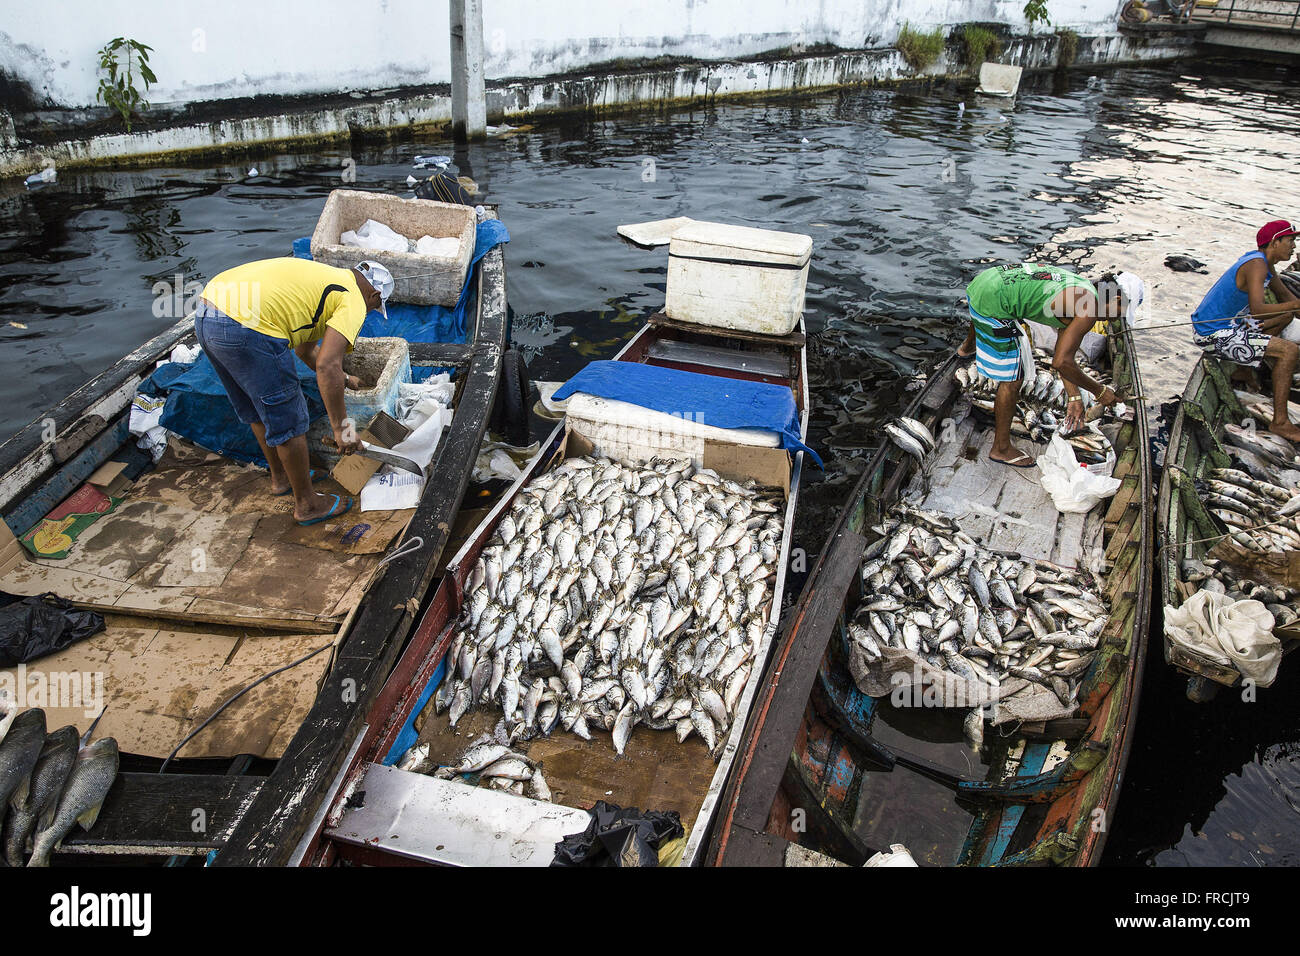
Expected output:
(19, 752)
(88, 783)
(47, 780)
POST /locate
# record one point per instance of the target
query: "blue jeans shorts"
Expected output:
(259, 373)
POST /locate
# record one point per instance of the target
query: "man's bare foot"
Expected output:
(281, 487)
(321, 506)
(963, 354)
(1285, 430)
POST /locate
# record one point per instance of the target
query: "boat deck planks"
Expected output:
(961, 473)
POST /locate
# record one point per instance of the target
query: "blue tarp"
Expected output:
(198, 408)
(707, 399)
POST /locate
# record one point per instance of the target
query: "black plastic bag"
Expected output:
(619, 837)
(32, 627)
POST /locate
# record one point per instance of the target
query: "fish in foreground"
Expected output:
(88, 784)
(19, 752)
(47, 780)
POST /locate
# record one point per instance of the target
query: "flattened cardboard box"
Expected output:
(11, 552)
(353, 471)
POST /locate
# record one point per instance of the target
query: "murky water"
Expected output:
(905, 195)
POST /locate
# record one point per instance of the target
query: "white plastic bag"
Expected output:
(1238, 633)
(376, 236)
(1074, 489)
(390, 489)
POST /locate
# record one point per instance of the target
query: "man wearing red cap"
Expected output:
(1234, 323)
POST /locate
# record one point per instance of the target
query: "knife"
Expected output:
(368, 450)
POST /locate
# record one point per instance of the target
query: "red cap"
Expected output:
(1277, 229)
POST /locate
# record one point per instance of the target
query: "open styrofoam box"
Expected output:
(420, 280)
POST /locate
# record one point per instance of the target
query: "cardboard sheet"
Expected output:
(158, 683)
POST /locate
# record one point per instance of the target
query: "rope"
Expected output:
(410, 546)
(238, 694)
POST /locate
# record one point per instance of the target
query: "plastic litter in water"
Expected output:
(46, 175)
(432, 160)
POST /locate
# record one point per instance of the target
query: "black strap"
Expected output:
(737, 262)
(320, 306)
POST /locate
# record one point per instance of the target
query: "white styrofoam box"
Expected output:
(737, 277)
(420, 279)
(630, 432)
(384, 361)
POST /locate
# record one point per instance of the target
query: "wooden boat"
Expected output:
(410, 817)
(248, 804)
(1185, 530)
(824, 767)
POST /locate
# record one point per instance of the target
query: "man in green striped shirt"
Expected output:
(1001, 299)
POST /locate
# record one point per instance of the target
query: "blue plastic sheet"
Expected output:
(408, 735)
(707, 399)
(198, 408)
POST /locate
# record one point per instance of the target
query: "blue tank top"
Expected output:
(1225, 301)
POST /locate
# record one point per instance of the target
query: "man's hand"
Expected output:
(1073, 416)
(354, 382)
(1108, 397)
(346, 438)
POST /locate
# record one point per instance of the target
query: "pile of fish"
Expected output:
(1042, 405)
(48, 784)
(1260, 453)
(612, 595)
(486, 762)
(981, 615)
(911, 436)
(1215, 575)
(1259, 515)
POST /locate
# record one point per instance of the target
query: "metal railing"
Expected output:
(1283, 15)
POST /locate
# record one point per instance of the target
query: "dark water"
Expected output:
(905, 197)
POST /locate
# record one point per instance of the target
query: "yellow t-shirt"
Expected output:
(290, 298)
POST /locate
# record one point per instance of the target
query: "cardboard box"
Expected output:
(353, 471)
(11, 552)
(109, 479)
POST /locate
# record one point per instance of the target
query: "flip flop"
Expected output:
(1030, 462)
(334, 511)
(288, 491)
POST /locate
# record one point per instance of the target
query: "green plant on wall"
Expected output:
(123, 61)
(920, 50)
(1036, 12)
(979, 45)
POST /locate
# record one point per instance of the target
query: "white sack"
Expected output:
(1236, 633)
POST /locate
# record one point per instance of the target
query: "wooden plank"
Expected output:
(27, 457)
(1120, 501)
(27, 511)
(795, 340)
(303, 625)
(793, 675)
(746, 847)
(279, 818)
(440, 353)
(159, 813)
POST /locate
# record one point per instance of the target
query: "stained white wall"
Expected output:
(219, 49)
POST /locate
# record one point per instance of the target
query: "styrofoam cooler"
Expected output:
(737, 277)
(421, 279)
(386, 362)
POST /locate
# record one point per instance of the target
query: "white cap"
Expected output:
(382, 280)
(1135, 293)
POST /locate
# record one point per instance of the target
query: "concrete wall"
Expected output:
(214, 50)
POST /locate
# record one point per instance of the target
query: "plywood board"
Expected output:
(655, 772)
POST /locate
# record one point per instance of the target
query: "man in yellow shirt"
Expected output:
(252, 320)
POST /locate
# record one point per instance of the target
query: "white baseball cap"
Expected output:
(1135, 293)
(382, 280)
